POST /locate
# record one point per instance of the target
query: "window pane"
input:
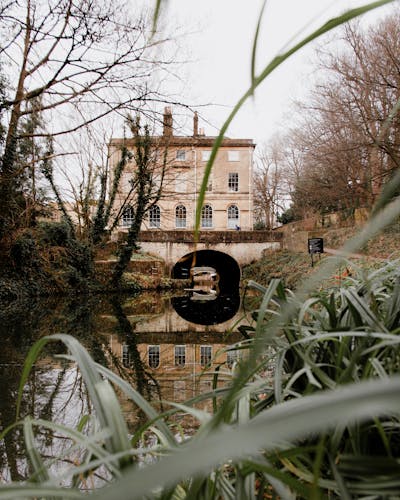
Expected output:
(126, 359)
(154, 356)
(181, 155)
(180, 355)
(233, 181)
(205, 355)
(180, 216)
(154, 216)
(127, 217)
(205, 155)
(233, 217)
(206, 216)
(232, 357)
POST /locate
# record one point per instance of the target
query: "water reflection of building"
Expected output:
(165, 357)
(182, 367)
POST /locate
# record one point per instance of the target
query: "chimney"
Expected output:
(195, 124)
(167, 121)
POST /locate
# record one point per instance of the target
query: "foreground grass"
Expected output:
(312, 411)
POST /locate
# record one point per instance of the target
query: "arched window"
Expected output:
(207, 216)
(154, 216)
(233, 217)
(154, 356)
(127, 216)
(180, 216)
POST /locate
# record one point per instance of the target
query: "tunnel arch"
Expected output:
(225, 265)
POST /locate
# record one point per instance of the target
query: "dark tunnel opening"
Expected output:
(226, 303)
(225, 265)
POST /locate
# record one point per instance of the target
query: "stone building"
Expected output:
(229, 198)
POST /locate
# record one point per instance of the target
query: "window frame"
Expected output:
(127, 221)
(207, 216)
(205, 355)
(151, 356)
(233, 182)
(180, 155)
(232, 357)
(155, 217)
(205, 154)
(180, 357)
(180, 217)
(125, 356)
(232, 222)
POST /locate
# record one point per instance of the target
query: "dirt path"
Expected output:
(350, 255)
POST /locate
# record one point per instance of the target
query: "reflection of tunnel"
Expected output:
(222, 309)
(226, 266)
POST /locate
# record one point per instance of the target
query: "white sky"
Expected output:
(220, 43)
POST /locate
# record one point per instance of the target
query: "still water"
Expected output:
(166, 347)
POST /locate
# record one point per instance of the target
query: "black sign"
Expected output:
(315, 245)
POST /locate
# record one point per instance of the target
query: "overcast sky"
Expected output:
(220, 43)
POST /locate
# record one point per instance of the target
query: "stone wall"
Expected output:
(210, 237)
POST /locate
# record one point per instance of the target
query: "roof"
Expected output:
(192, 141)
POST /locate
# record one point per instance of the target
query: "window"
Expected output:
(180, 355)
(154, 216)
(233, 181)
(180, 182)
(181, 155)
(154, 356)
(180, 216)
(126, 358)
(127, 216)
(206, 216)
(233, 155)
(232, 357)
(205, 155)
(233, 217)
(205, 355)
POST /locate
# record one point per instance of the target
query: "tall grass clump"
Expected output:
(311, 411)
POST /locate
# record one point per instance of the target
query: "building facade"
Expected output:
(228, 201)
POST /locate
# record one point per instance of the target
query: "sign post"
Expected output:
(315, 246)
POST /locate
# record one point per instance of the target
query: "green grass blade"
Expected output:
(292, 420)
(39, 470)
(255, 43)
(30, 360)
(139, 400)
(116, 423)
(18, 492)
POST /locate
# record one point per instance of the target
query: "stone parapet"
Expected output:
(211, 237)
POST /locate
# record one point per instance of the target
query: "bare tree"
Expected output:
(80, 60)
(270, 185)
(348, 141)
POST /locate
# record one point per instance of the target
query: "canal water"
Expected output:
(167, 347)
